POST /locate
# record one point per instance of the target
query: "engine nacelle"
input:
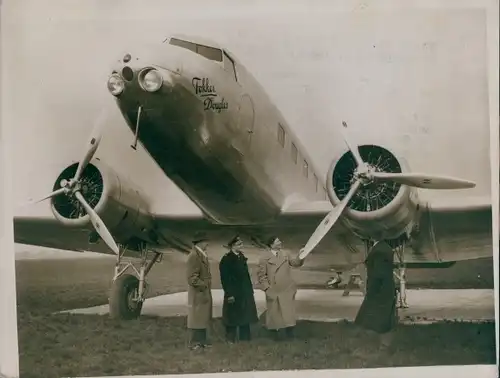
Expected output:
(380, 209)
(114, 198)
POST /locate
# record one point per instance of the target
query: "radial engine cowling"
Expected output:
(115, 199)
(378, 210)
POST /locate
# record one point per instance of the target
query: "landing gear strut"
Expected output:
(128, 291)
(401, 275)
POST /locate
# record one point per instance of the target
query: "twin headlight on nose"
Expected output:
(116, 84)
(149, 79)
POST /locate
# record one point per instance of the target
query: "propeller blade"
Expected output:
(352, 147)
(422, 180)
(91, 146)
(53, 194)
(98, 224)
(328, 222)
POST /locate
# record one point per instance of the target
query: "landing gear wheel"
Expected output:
(123, 302)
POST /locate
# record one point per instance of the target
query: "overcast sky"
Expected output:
(411, 80)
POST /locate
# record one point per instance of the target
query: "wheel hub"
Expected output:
(132, 301)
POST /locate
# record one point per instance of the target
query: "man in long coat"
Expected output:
(199, 293)
(239, 309)
(275, 278)
(378, 310)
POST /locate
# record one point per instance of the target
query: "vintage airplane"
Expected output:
(211, 128)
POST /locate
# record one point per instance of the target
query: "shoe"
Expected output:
(334, 282)
(196, 347)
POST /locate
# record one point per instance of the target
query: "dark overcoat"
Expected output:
(236, 282)
(199, 290)
(275, 278)
(378, 310)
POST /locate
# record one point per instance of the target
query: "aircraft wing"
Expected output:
(48, 232)
(447, 233)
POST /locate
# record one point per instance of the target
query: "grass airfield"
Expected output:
(91, 345)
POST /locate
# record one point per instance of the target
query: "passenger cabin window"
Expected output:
(306, 169)
(229, 66)
(281, 135)
(294, 153)
(206, 51)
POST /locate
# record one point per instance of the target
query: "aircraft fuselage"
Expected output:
(213, 131)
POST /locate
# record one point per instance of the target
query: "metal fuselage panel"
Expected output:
(214, 134)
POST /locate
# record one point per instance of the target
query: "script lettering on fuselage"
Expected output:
(203, 88)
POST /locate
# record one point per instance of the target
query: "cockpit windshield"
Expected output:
(206, 51)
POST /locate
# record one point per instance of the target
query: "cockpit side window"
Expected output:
(206, 51)
(209, 52)
(229, 66)
(184, 44)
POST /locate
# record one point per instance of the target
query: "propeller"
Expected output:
(364, 175)
(328, 222)
(72, 187)
(91, 147)
(422, 180)
(98, 224)
(53, 194)
(352, 147)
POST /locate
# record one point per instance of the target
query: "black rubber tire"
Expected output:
(119, 298)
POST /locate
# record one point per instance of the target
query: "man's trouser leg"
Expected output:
(198, 336)
(275, 334)
(245, 332)
(231, 334)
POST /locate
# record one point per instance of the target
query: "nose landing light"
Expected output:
(150, 79)
(116, 85)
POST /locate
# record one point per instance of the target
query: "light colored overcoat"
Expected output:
(275, 278)
(199, 291)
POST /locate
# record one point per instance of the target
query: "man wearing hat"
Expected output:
(199, 292)
(239, 309)
(275, 278)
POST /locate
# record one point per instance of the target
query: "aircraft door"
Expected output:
(246, 118)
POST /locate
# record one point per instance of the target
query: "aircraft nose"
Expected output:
(140, 71)
(146, 78)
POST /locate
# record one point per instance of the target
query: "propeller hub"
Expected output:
(70, 185)
(363, 174)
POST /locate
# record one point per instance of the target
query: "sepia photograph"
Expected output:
(231, 187)
(9, 361)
